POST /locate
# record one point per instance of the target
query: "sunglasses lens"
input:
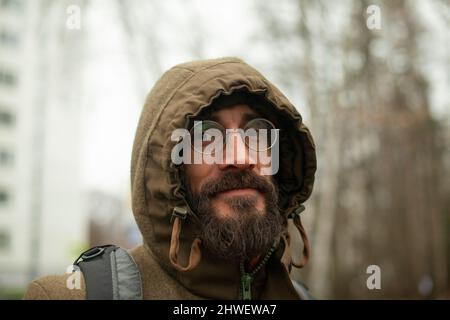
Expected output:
(204, 134)
(260, 134)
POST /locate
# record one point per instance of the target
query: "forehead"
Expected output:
(233, 115)
(236, 115)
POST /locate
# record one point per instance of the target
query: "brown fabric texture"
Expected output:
(182, 92)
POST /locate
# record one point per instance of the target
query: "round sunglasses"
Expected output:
(258, 134)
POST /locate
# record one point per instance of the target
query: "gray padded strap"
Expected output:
(126, 277)
(96, 268)
(110, 273)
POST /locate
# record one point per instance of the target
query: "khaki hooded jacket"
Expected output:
(171, 260)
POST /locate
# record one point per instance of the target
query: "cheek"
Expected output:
(197, 174)
(264, 170)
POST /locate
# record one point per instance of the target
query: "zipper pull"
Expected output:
(246, 281)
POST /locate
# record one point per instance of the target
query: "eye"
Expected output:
(251, 132)
(207, 132)
(260, 134)
(260, 123)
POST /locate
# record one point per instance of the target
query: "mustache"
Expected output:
(237, 180)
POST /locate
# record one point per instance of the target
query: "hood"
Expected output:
(182, 92)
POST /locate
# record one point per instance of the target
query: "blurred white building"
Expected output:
(43, 224)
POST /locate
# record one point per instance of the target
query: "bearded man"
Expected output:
(213, 229)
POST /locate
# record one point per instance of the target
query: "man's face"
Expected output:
(235, 202)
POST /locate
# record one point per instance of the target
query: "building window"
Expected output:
(6, 158)
(6, 118)
(4, 197)
(8, 39)
(11, 4)
(5, 240)
(7, 78)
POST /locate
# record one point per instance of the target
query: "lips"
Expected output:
(244, 182)
(240, 192)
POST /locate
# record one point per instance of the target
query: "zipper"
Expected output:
(247, 278)
(246, 286)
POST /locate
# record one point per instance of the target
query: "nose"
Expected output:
(237, 154)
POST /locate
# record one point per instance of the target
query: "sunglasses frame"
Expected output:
(227, 132)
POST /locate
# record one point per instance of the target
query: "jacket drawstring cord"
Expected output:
(178, 215)
(295, 216)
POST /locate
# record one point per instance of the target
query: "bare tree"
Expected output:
(379, 192)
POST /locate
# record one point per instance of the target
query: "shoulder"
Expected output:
(63, 287)
(157, 282)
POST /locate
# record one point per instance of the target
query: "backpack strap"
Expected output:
(110, 273)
